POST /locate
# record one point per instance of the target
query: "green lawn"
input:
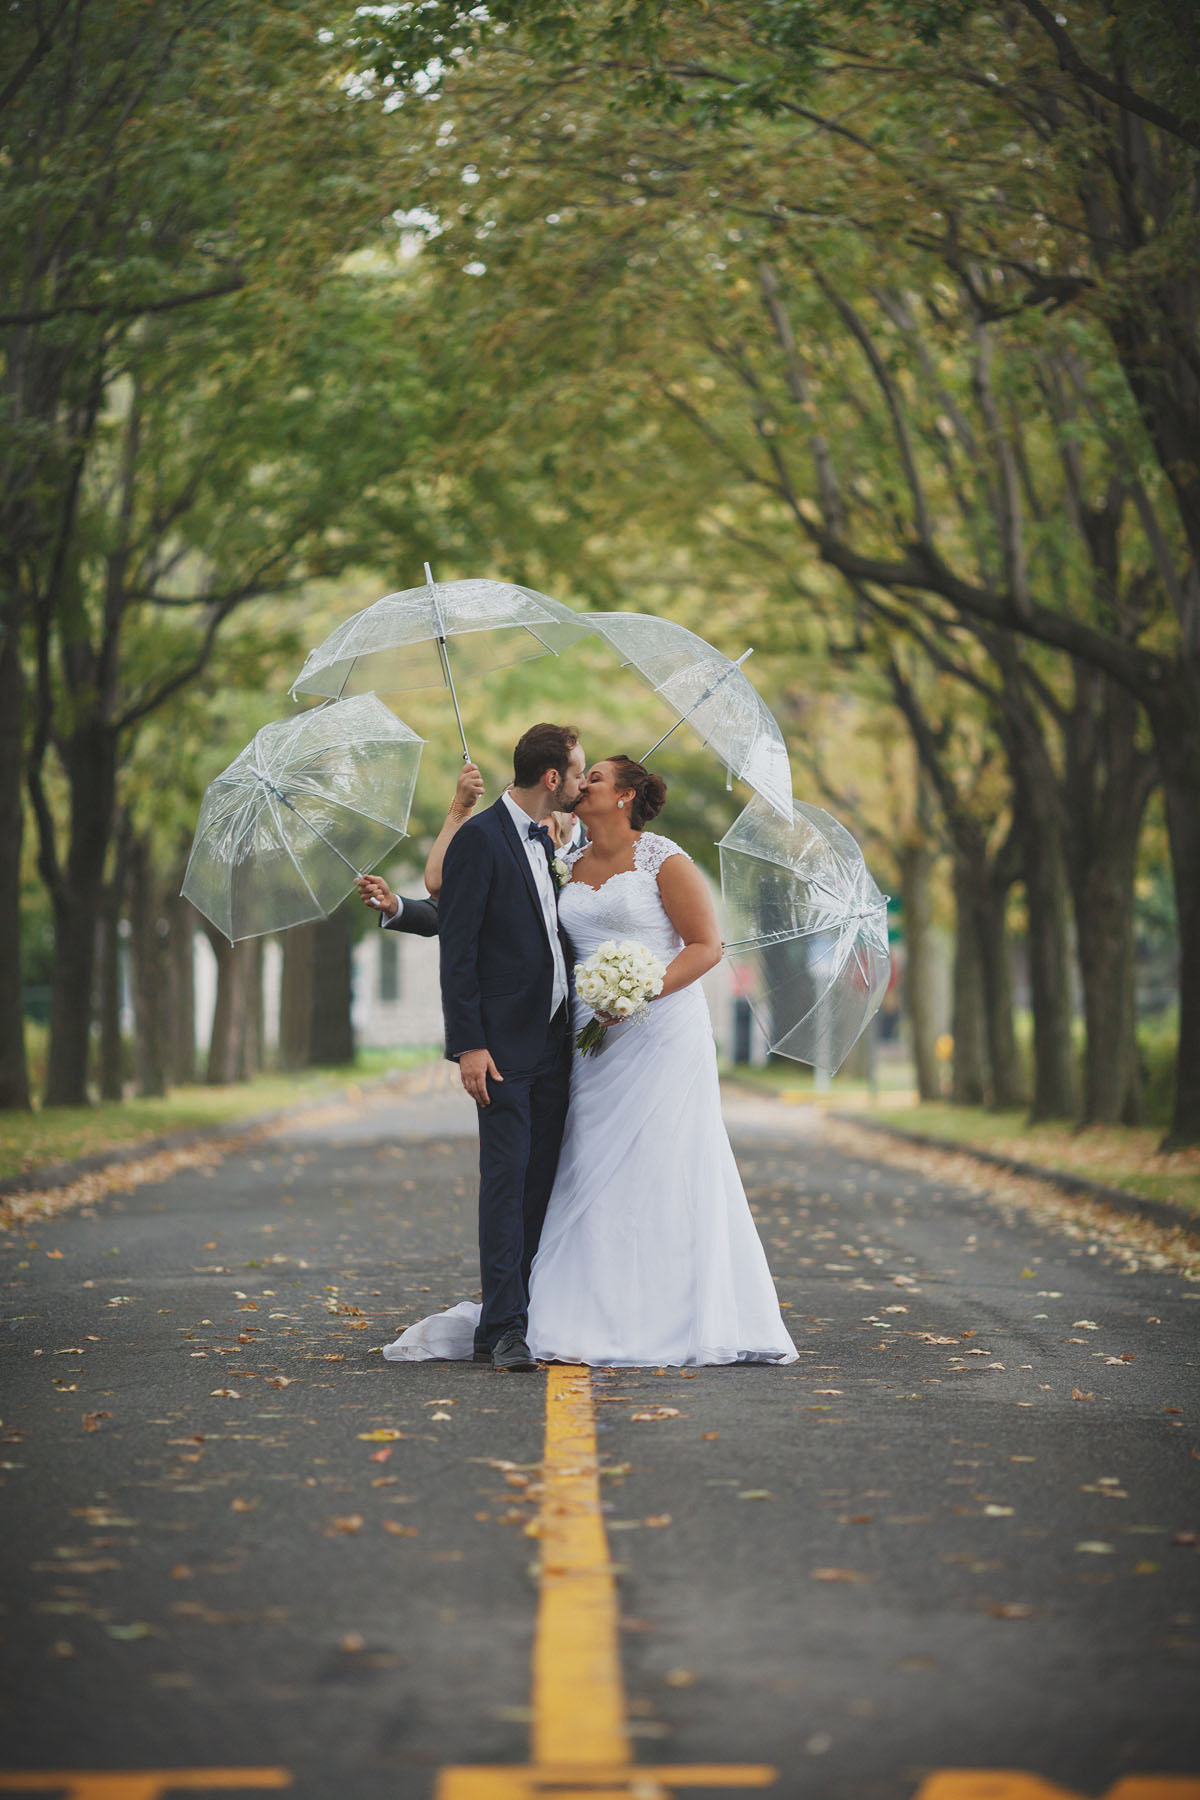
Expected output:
(31, 1140)
(1120, 1156)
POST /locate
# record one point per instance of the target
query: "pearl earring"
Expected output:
(620, 806)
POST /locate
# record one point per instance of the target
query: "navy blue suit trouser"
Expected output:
(519, 1138)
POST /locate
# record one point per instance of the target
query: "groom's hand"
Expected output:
(475, 1067)
(374, 891)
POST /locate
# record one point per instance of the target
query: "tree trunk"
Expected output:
(182, 1022)
(109, 985)
(916, 860)
(1050, 967)
(969, 1086)
(332, 1035)
(229, 1013)
(151, 977)
(90, 761)
(14, 1071)
(296, 997)
(250, 1050)
(1177, 736)
(995, 948)
(1039, 810)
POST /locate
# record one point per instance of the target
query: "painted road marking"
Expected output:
(580, 1742)
(1019, 1784)
(138, 1784)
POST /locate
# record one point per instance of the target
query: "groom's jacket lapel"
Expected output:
(511, 836)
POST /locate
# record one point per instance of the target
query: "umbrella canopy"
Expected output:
(403, 640)
(808, 930)
(308, 805)
(710, 693)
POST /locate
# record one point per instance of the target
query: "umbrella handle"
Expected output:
(444, 654)
(706, 695)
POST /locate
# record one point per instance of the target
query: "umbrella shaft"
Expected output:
(445, 656)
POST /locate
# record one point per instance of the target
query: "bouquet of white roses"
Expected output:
(618, 980)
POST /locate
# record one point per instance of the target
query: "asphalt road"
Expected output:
(961, 1532)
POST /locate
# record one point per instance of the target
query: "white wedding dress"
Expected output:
(649, 1254)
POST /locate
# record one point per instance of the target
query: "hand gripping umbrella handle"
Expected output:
(445, 657)
(697, 704)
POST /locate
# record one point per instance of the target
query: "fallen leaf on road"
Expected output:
(1078, 1394)
(398, 1530)
(838, 1575)
(1084, 1325)
(279, 1381)
(353, 1642)
(1011, 1609)
(709, 1436)
(345, 1526)
(384, 1435)
(657, 1519)
(998, 1512)
(1093, 1547)
(755, 1494)
(242, 1505)
(129, 1633)
(449, 1417)
(679, 1678)
(91, 1420)
(379, 1456)
(223, 1394)
(658, 1412)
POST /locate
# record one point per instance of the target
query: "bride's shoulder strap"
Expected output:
(652, 851)
(572, 856)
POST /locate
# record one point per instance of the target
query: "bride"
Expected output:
(648, 1254)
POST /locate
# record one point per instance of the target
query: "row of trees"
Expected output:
(204, 392)
(868, 330)
(898, 304)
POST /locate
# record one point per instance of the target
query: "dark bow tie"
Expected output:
(542, 834)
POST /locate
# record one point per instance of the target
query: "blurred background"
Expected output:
(863, 334)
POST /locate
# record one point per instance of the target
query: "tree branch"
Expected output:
(1118, 92)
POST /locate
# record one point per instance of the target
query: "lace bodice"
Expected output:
(628, 904)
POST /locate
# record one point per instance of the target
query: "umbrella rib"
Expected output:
(300, 872)
(697, 704)
(346, 806)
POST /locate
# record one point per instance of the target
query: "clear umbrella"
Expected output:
(710, 693)
(309, 805)
(402, 641)
(808, 930)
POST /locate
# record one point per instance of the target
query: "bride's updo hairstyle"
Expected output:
(649, 790)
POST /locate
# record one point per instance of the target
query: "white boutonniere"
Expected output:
(560, 868)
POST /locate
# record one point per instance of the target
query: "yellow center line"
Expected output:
(579, 1739)
(578, 1694)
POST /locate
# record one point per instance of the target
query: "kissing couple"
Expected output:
(613, 1225)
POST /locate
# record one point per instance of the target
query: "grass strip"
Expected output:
(60, 1134)
(1118, 1156)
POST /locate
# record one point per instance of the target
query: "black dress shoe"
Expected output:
(511, 1353)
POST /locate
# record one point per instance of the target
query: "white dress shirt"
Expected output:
(547, 894)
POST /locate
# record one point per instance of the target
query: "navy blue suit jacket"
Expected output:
(417, 917)
(496, 964)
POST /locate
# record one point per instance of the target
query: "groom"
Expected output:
(504, 996)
